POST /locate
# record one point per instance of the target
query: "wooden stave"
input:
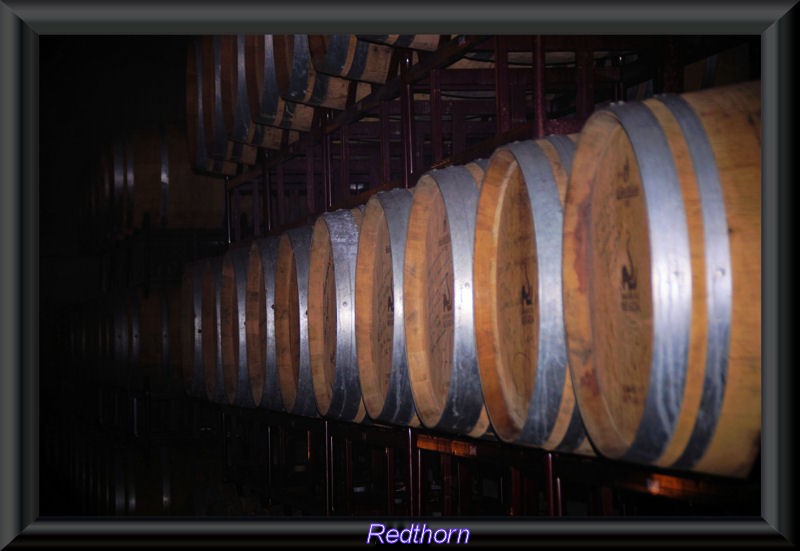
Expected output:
(397, 406)
(303, 402)
(263, 256)
(154, 332)
(427, 42)
(339, 398)
(674, 449)
(191, 330)
(464, 391)
(233, 332)
(216, 117)
(267, 107)
(195, 106)
(550, 422)
(121, 341)
(299, 82)
(212, 349)
(212, 95)
(346, 56)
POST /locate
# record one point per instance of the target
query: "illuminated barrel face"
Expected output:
(438, 301)
(662, 307)
(518, 310)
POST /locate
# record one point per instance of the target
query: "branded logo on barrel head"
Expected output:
(447, 303)
(525, 296)
(630, 296)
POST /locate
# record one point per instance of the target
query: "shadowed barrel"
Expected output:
(261, 361)
(291, 322)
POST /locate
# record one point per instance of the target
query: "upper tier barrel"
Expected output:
(299, 81)
(428, 42)
(207, 118)
(344, 55)
(267, 107)
(233, 331)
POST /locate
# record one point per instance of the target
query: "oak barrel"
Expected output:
(344, 55)
(438, 304)
(205, 114)
(380, 332)
(662, 281)
(267, 107)
(291, 322)
(331, 314)
(210, 327)
(260, 323)
(191, 329)
(519, 322)
(233, 331)
(298, 80)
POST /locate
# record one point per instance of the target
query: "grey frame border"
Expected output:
(21, 22)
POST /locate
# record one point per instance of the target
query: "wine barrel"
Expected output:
(361, 416)
(105, 336)
(267, 107)
(519, 322)
(260, 322)
(661, 292)
(151, 185)
(210, 327)
(380, 333)
(271, 137)
(344, 55)
(291, 322)
(208, 134)
(298, 80)
(331, 318)
(191, 329)
(217, 107)
(438, 304)
(154, 315)
(121, 342)
(233, 332)
(427, 42)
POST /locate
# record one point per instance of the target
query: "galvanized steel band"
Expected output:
(671, 279)
(346, 390)
(464, 401)
(399, 402)
(271, 394)
(718, 278)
